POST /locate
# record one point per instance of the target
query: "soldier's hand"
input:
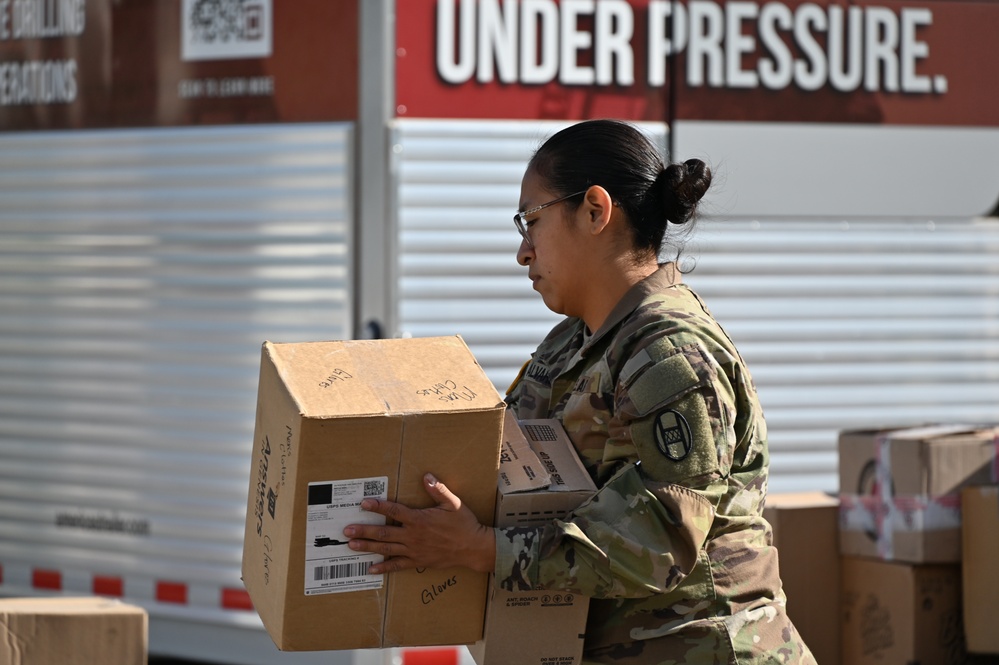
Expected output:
(442, 536)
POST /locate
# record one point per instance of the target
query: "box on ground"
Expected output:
(980, 544)
(900, 489)
(72, 631)
(901, 613)
(536, 627)
(805, 528)
(341, 421)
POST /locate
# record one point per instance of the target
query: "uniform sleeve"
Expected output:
(678, 407)
(631, 539)
(645, 529)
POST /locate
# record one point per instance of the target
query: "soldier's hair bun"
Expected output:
(679, 188)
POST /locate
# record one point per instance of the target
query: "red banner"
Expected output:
(927, 63)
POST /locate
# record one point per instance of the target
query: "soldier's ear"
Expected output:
(598, 206)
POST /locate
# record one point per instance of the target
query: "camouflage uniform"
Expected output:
(673, 549)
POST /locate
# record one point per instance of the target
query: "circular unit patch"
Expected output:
(672, 435)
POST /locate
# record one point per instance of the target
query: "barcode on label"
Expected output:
(374, 487)
(340, 571)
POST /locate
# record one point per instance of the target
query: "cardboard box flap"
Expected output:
(520, 469)
(549, 442)
(929, 432)
(939, 461)
(382, 377)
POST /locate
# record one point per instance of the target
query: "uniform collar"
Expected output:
(665, 277)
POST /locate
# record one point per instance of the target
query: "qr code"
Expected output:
(226, 29)
(374, 487)
(213, 21)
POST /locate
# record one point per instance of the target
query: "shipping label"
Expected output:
(330, 565)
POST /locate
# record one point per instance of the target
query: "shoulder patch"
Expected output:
(672, 435)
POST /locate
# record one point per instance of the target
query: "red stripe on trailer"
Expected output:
(104, 585)
(442, 656)
(46, 579)
(236, 599)
(171, 592)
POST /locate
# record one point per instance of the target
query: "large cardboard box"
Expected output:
(340, 421)
(901, 613)
(980, 543)
(900, 489)
(806, 528)
(536, 627)
(72, 631)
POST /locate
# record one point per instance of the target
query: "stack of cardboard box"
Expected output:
(900, 535)
(918, 534)
(541, 479)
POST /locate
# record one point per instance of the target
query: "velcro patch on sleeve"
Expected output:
(663, 382)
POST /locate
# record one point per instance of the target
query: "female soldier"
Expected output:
(673, 549)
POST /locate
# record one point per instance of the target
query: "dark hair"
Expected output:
(622, 160)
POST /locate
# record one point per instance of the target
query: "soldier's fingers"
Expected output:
(444, 497)
(380, 532)
(386, 549)
(390, 509)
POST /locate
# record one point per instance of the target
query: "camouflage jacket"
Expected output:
(665, 417)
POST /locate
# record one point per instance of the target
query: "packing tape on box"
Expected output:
(885, 490)
(882, 513)
(910, 512)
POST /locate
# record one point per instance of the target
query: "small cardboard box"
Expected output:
(901, 613)
(72, 631)
(806, 528)
(980, 543)
(536, 627)
(340, 421)
(900, 489)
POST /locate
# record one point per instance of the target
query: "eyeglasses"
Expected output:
(520, 219)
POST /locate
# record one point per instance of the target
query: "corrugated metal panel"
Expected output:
(844, 323)
(140, 271)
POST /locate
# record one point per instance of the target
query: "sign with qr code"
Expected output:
(82, 64)
(330, 565)
(225, 29)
